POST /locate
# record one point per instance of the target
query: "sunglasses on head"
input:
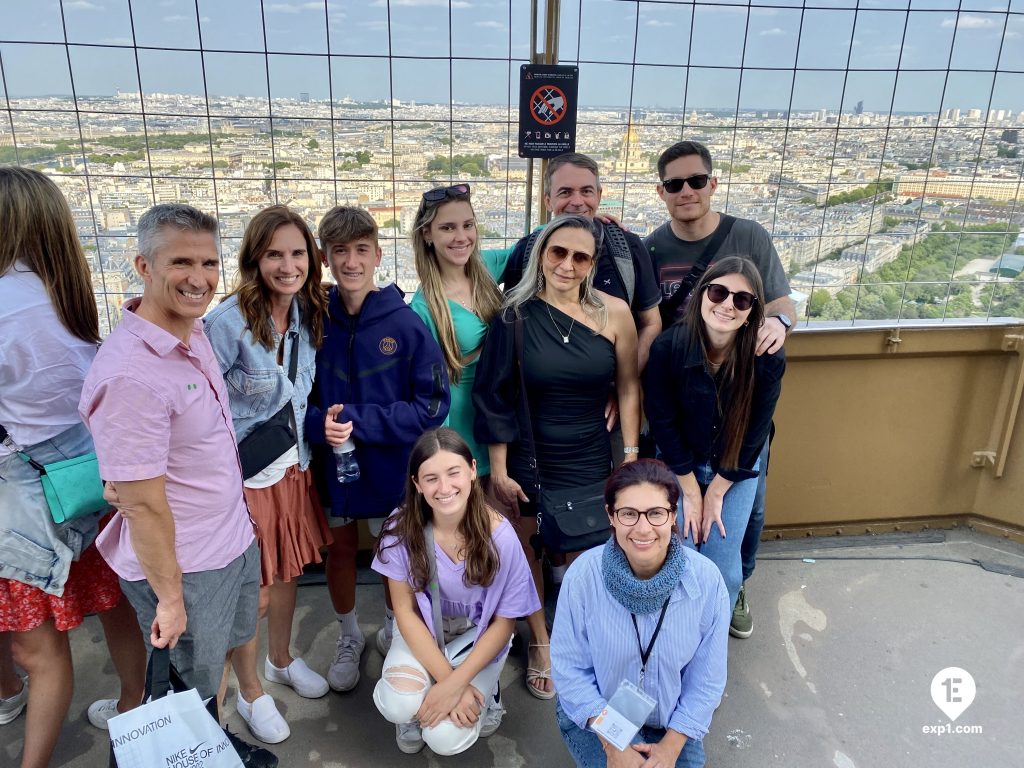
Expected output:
(556, 254)
(742, 300)
(672, 186)
(440, 193)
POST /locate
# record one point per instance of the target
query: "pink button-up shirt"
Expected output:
(156, 407)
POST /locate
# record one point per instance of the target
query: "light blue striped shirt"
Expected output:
(594, 646)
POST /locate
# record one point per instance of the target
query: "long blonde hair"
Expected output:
(532, 281)
(37, 227)
(486, 295)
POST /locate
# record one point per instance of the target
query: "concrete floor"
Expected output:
(848, 635)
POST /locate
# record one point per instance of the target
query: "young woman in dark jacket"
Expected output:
(710, 400)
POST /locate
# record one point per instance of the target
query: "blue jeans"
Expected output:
(586, 750)
(725, 552)
(752, 538)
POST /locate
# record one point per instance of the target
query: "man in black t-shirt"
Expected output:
(686, 187)
(572, 185)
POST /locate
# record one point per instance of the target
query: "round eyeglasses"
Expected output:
(655, 515)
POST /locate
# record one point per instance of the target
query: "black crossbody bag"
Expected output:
(669, 307)
(568, 519)
(269, 441)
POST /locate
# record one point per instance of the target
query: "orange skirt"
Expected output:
(290, 525)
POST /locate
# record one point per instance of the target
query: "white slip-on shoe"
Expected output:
(299, 676)
(263, 719)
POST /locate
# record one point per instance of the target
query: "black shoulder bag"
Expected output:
(669, 307)
(269, 441)
(568, 519)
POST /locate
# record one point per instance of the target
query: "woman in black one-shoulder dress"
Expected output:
(577, 344)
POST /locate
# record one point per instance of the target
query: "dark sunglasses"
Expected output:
(655, 515)
(672, 186)
(440, 193)
(742, 300)
(556, 254)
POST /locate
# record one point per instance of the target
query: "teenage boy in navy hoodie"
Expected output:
(380, 382)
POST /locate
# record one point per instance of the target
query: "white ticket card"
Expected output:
(624, 715)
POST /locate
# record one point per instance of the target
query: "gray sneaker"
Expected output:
(409, 737)
(12, 707)
(492, 714)
(344, 672)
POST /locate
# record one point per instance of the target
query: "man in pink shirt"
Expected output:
(156, 405)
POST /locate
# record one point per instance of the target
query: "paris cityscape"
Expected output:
(875, 216)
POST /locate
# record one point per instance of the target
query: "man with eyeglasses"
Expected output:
(694, 237)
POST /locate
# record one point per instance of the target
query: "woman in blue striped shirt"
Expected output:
(643, 609)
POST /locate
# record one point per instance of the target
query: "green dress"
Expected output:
(470, 331)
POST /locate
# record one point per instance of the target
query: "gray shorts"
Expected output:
(221, 608)
(375, 524)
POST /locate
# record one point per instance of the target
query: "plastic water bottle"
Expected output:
(345, 458)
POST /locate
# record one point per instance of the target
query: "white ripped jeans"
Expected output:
(405, 681)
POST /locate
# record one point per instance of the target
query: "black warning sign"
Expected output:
(547, 109)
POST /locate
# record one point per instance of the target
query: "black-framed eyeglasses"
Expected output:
(556, 254)
(655, 515)
(672, 186)
(742, 300)
(441, 193)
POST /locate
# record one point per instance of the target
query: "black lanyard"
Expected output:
(645, 655)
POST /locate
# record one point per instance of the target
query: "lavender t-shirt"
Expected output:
(511, 594)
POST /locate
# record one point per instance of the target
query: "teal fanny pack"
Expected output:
(72, 487)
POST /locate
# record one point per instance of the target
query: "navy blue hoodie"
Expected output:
(386, 369)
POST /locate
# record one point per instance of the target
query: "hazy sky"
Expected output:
(983, 46)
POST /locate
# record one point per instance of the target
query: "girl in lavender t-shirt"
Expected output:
(448, 700)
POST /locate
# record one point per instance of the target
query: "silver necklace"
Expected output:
(564, 334)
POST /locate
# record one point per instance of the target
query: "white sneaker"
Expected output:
(101, 711)
(300, 677)
(263, 719)
(12, 707)
(383, 641)
(344, 672)
(409, 737)
(492, 715)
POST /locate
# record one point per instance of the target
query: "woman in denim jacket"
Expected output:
(278, 309)
(51, 576)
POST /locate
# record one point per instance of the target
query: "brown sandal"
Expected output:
(535, 674)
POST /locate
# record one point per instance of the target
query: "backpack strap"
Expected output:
(622, 258)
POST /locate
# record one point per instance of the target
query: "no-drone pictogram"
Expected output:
(548, 104)
(547, 109)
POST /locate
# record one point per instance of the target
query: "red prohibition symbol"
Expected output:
(548, 104)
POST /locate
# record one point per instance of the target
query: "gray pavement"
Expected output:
(848, 634)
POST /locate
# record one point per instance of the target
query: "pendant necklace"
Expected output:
(564, 334)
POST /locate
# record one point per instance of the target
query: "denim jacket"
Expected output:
(257, 386)
(33, 549)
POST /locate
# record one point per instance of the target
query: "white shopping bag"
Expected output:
(175, 731)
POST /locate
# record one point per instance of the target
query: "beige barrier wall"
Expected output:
(876, 425)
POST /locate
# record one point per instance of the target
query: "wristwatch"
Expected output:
(786, 322)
